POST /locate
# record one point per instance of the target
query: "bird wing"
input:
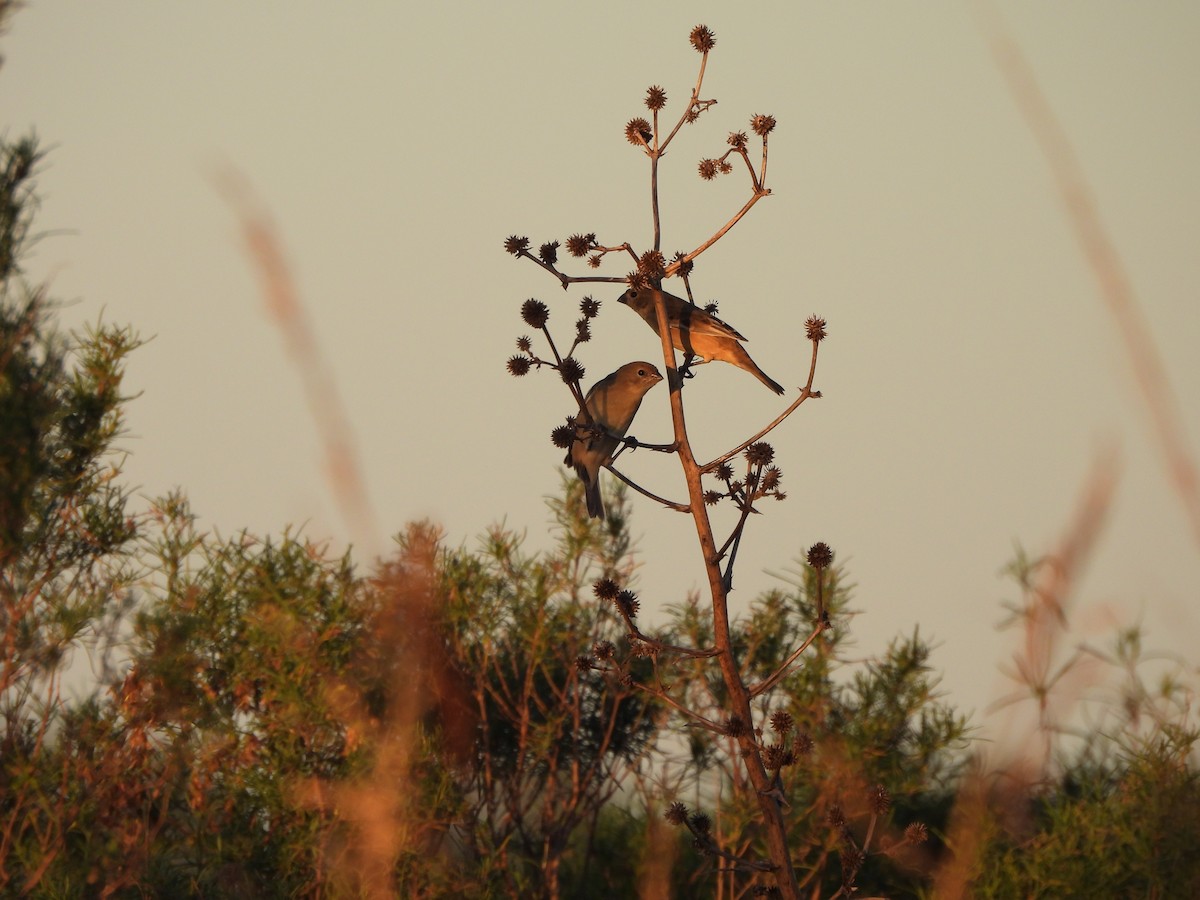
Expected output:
(698, 321)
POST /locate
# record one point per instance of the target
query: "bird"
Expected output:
(697, 332)
(612, 403)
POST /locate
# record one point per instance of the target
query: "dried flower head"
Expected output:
(637, 132)
(677, 813)
(737, 140)
(782, 721)
(578, 245)
(835, 817)
(584, 664)
(708, 169)
(570, 370)
(819, 555)
(776, 756)
(916, 833)
(724, 471)
(724, 166)
(702, 39)
(656, 98)
(771, 478)
(606, 589)
(589, 307)
(711, 307)
(685, 265)
(516, 244)
(524, 344)
(879, 799)
(549, 252)
(760, 453)
(803, 744)
(628, 604)
(604, 649)
(535, 313)
(734, 726)
(518, 365)
(564, 435)
(652, 264)
(814, 326)
(701, 823)
(594, 260)
(637, 280)
(762, 125)
(583, 333)
(712, 498)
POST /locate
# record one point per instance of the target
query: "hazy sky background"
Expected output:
(971, 375)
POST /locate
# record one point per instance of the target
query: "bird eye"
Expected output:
(641, 373)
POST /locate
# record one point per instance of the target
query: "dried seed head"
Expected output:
(594, 260)
(762, 125)
(771, 478)
(656, 97)
(760, 453)
(515, 244)
(820, 556)
(724, 471)
(605, 589)
(835, 817)
(724, 166)
(734, 726)
(535, 313)
(702, 39)
(518, 365)
(524, 344)
(701, 823)
(637, 132)
(604, 649)
(803, 744)
(916, 833)
(814, 326)
(737, 140)
(782, 721)
(652, 264)
(879, 800)
(637, 280)
(589, 307)
(708, 169)
(549, 252)
(578, 245)
(677, 813)
(583, 333)
(584, 664)
(564, 435)
(712, 498)
(628, 603)
(570, 370)
(685, 265)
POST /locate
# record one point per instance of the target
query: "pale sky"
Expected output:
(970, 377)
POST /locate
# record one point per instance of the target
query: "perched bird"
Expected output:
(612, 403)
(697, 332)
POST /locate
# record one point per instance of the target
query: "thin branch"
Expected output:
(674, 267)
(763, 686)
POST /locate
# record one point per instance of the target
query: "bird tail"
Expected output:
(591, 492)
(752, 367)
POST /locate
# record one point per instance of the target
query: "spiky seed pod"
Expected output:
(734, 726)
(737, 140)
(879, 799)
(771, 478)
(724, 471)
(760, 453)
(637, 280)
(702, 39)
(535, 313)
(685, 265)
(594, 260)
(782, 721)
(803, 744)
(820, 556)
(724, 166)
(762, 125)
(564, 435)
(638, 133)
(518, 365)
(584, 664)
(604, 650)
(583, 333)
(578, 245)
(652, 264)
(712, 498)
(677, 813)
(549, 252)
(515, 244)
(589, 307)
(656, 98)
(701, 823)
(708, 169)
(916, 833)
(814, 326)
(606, 589)
(524, 344)
(571, 371)
(835, 817)
(628, 603)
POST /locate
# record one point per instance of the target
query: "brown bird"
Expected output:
(697, 332)
(612, 403)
